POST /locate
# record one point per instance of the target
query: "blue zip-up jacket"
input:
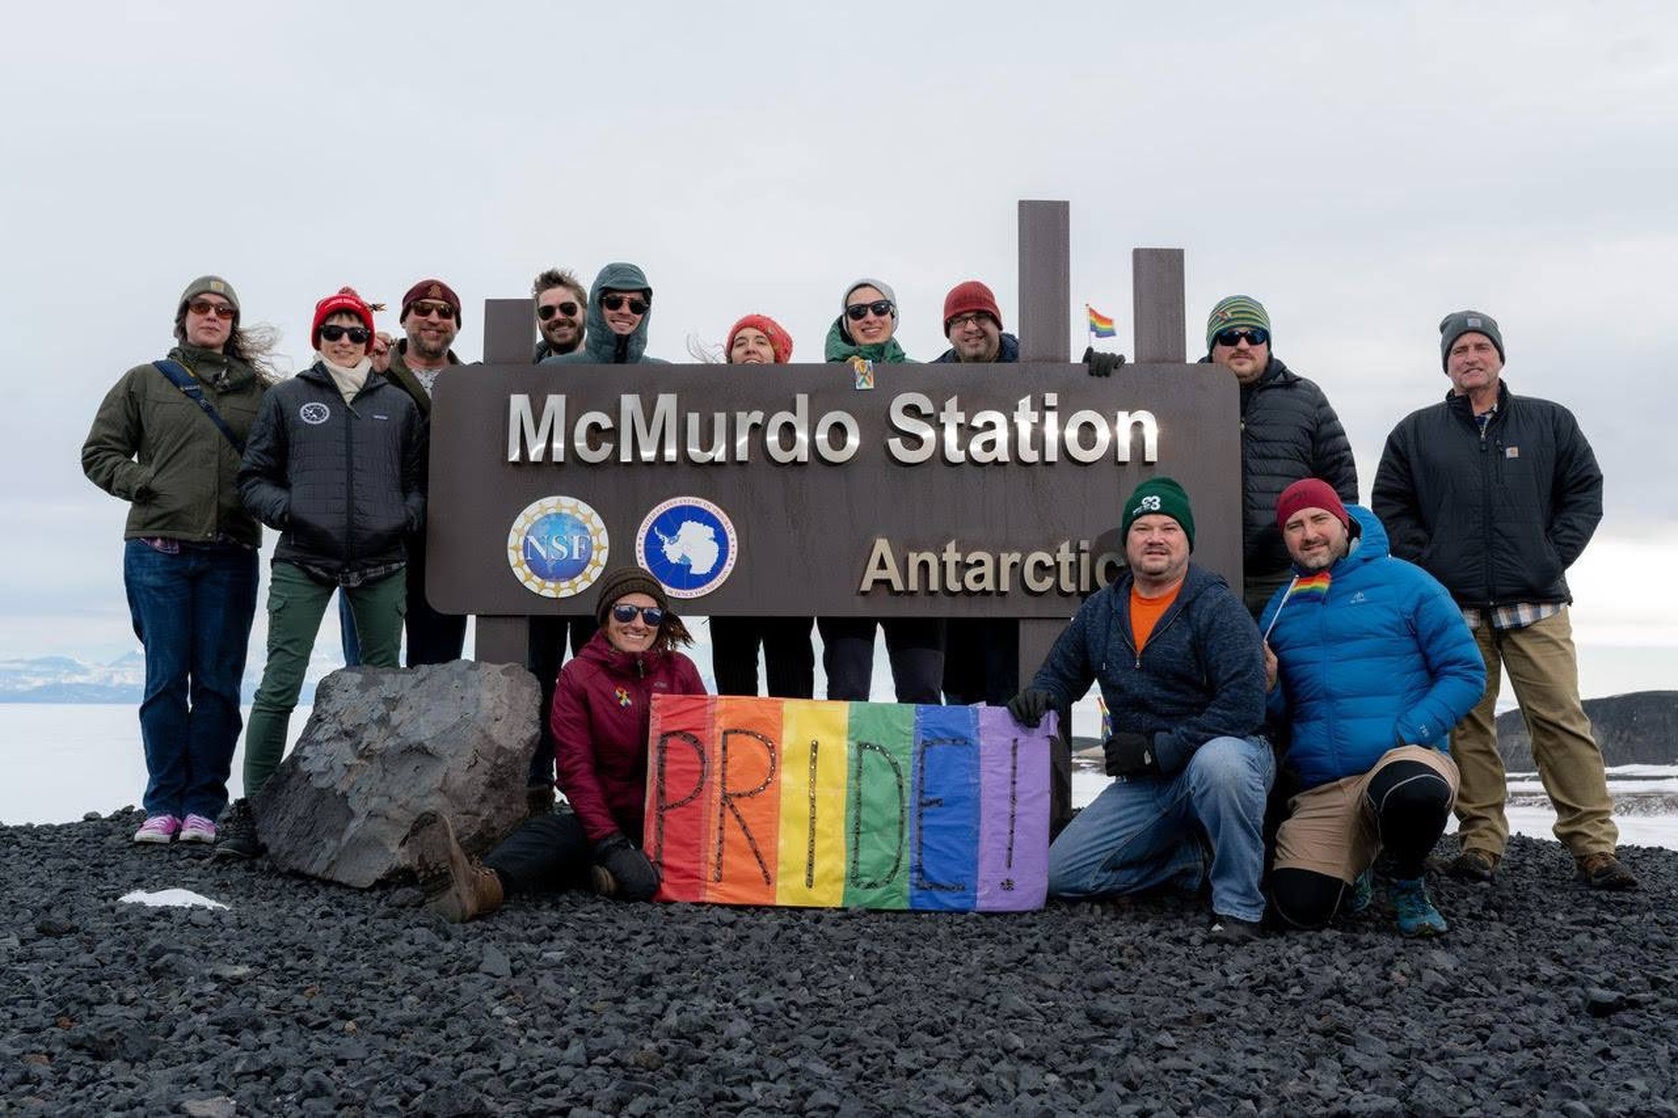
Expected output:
(601, 346)
(1007, 353)
(1200, 675)
(1383, 659)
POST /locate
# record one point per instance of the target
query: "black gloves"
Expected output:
(1030, 705)
(1130, 755)
(1102, 364)
(632, 876)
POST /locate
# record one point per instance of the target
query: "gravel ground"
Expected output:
(308, 998)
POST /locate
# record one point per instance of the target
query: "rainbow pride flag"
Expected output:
(870, 805)
(1100, 325)
(1311, 586)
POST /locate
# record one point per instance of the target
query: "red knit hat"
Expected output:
(1310, 493)
(430, 289)
(346, 301)
(965, 298)
(780, 342)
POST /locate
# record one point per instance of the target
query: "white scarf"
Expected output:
(351, 380)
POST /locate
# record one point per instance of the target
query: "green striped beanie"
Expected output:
(1235, 312)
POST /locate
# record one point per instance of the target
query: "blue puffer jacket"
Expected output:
(600, 345)
(1200, 676)
(1385, 659)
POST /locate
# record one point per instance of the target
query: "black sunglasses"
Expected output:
(358, 334)
(548, 310)
(1258, 335)
(880, 308)
(624, 614)
(613, 302)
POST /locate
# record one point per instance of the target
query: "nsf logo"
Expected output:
(689, 545)
(558, 547)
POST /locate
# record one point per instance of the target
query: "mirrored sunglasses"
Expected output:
(205, 307)
(1258, 335)
(624, 614)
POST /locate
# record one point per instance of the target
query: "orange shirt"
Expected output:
(1146, 612)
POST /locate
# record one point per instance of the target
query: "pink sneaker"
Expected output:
(158, 828)
(198, 829)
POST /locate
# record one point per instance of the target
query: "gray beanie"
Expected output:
(204, 285)
(879, 285)
(1454, 326)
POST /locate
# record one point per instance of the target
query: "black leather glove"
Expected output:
(635, 877)
(1030, 705)
(1102, 364)
(1130, 755)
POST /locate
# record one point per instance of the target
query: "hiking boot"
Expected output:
(1413, 909)
(198, 829)
(237, 837)
(157, 829)
(454, 888)
(1231, 929)
(1474, 865)
(1599, 871)
(1361, 892)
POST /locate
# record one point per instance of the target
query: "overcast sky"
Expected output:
(1361, 169)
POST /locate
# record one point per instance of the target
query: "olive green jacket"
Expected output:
(404, 378)
(155, 448)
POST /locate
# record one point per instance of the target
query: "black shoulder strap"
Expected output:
(184, 381)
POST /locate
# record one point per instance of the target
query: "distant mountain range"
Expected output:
(1636, 729)
(63, 679)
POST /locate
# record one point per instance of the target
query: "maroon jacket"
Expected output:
(601, 713)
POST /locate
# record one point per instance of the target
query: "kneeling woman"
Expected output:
(601, 714)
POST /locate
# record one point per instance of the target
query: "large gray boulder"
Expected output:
(385, 744)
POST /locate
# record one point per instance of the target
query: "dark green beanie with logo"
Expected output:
(1454, 326)
(1163, 496)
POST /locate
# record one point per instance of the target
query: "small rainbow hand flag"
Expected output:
(1311, 586)
(1100, 325)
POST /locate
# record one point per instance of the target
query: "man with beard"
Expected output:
(561, 304)
(431, 319)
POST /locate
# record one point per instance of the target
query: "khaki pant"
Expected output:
(1544, 669)
(1331, 830)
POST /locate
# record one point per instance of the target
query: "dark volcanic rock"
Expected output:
(1636, 729)
(305, 997)
(381, 747)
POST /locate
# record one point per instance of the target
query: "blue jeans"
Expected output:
(1145, 832)
(192, 612)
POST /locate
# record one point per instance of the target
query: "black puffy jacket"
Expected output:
(1498, 518)
(1288, 433)
(344, 483)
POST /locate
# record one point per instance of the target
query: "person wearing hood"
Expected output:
(620, 308)
(335, 463)
(788, 656)
(601, 715)
(1369, 664)
(190, 562)
(863, 333)
(1288, 433)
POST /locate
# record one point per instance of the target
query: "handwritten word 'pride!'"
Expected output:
(867, 805)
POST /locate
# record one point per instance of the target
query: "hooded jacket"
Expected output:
(602, 712)
(1288, 433)
(601, 346)
(1007, 354)
(1200, 676)
(343, 482)
(156, 449)
(1499, 517)
(1383, 659)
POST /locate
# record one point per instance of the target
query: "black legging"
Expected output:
(1411, 803)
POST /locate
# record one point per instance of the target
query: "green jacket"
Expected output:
(403, 377)
(156, 449)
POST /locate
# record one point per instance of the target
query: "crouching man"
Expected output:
(1181, 669)
(1370, 664)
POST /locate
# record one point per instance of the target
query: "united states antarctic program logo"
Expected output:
(558, 547)
(689, 545)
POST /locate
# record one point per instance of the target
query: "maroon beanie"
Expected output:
(965, 298)
(430, 289)
(1310, 493)
(346, 301)
(779, 340)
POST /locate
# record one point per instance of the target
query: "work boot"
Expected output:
(1474, 865)
(454, 888)
(236, 837)
(1232, 929)
(1604, 871)
(1414, 910)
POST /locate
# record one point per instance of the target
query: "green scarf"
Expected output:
(841, 348)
